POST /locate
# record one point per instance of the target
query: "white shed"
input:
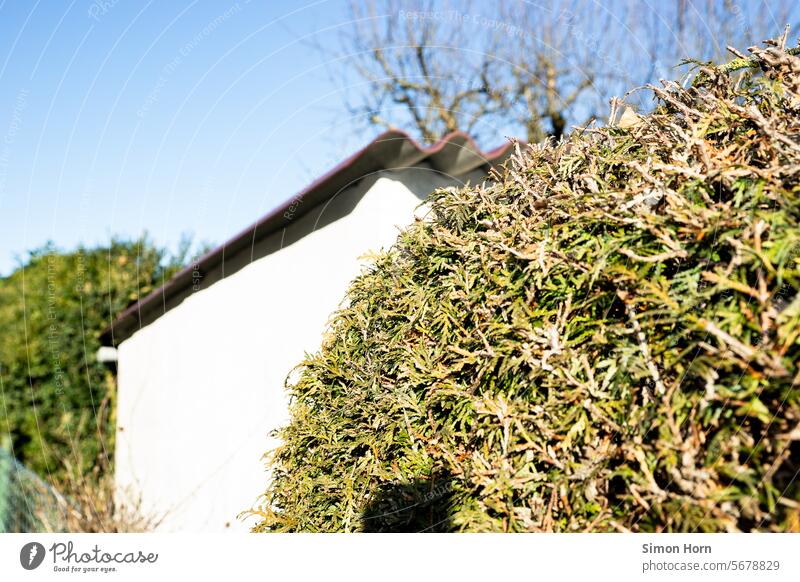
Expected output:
(202, 361)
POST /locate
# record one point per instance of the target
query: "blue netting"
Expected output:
(28, 503)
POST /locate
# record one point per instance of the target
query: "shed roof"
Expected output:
(455, 154)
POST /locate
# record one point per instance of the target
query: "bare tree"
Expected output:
(522, 68)
(440, 67)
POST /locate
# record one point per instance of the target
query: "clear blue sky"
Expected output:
(171, 117)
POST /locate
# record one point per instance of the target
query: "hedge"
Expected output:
(57, 402)
(605, 338)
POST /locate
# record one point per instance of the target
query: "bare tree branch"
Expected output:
(518, 68)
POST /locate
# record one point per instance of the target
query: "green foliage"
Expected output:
(57, 401)
(604, 339)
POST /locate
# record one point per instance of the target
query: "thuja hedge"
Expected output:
(56, 400)
(603, 339)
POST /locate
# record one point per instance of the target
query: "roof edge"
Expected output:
(133, 318)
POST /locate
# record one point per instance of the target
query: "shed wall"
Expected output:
(202, 386)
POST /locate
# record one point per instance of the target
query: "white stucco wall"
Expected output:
(202, 386)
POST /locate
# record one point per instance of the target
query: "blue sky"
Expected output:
(197, 117)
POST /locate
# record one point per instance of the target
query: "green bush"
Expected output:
(604, 339)
(57, 401)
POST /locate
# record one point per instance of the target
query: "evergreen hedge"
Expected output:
(606, 338)
(56, 400)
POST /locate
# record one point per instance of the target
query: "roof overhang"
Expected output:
(455, 155)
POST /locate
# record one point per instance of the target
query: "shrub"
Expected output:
(603, 339)
(57, 401)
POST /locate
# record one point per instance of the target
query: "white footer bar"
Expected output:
(420, 557)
